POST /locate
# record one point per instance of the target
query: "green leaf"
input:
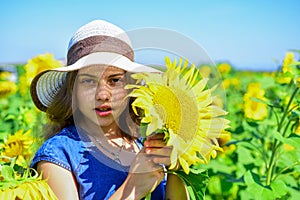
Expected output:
(294, 193)
(293, 141)
(294, 64)
(289, 180)
(7, 173)
(10, 117)
(259, 101)
(191, 193)
(259, 191)
(244, 155)
(143, 129)
(279, 188)
(196, 182)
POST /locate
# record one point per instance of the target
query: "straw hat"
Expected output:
(98, 42)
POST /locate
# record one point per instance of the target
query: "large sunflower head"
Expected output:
(27, 185)
(179, 103)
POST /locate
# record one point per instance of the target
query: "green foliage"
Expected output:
(196, 182)
(262, 160)
(18, 111)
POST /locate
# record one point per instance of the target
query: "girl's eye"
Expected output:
(116, 82)
(88, 81)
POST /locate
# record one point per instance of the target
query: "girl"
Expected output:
(93, 149)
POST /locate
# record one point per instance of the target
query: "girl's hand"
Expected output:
(146, 171)
(156, 147)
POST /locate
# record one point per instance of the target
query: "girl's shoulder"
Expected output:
(70, 132)
(62, 149)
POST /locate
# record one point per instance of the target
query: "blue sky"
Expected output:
(249, 34)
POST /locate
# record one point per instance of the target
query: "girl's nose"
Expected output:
(103, 92)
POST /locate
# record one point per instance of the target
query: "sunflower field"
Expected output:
(261, 152)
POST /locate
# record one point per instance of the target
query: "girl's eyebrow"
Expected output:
(118, 74)
(89, 75)
(110, 76)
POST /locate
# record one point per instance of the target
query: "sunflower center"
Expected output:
(178, 110)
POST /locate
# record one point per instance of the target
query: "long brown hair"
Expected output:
(60, 112)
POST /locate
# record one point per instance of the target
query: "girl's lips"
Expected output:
(103, 112)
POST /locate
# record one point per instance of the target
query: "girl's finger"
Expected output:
(154, 143)
(162, 151)
(156, 136)
(162, 160)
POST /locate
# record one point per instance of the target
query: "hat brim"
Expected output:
(108, 58)
(45, 85)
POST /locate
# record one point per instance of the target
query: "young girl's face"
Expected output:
(100, 94)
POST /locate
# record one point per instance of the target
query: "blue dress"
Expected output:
(97, 176)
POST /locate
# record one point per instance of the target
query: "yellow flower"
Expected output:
(226, 83)
(205, 71)
(224, 138)
(5, 75)
(40, 63)
(31, 189)
(218, 101)
(7, 88)
(18, 145)
(288, 147)
(283, 79)
(288, 59)
(287, 73)
(29, 117)
(268, 74)
(181, 103)
(235, 82)
(227, 148)
(253, 109)
(224, 68)
(36, 65)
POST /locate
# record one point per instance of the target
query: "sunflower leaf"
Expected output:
(7, 173)
(143, 129)
(196, 182)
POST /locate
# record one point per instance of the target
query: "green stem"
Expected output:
(285, 169)
(148, 197)
(287, 109)
(286, 128)
(276, 116)
(262, 152)
(274, 146)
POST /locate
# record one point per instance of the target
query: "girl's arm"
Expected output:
(60, 180)
(175, 188)
(143, 177)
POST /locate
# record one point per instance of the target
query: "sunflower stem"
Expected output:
(272, 163)
(148, 196)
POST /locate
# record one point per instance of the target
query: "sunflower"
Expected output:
(35, 66)
(33, 189)
(18, 145)
(27, 185)
(180, 104)
(254, 109)
(7, 88)
(40, 63)
(288, 59)
(224, 68)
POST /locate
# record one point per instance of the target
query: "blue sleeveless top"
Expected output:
(97, 176)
